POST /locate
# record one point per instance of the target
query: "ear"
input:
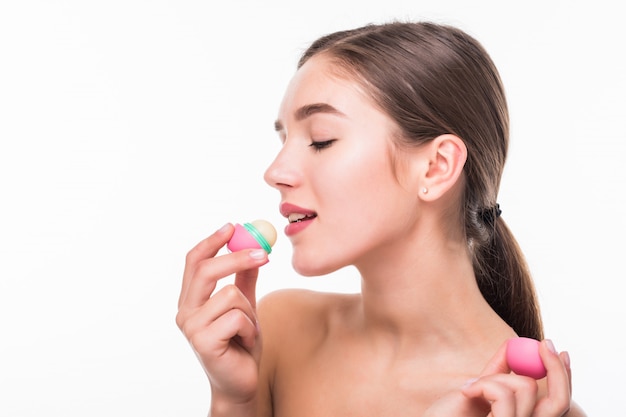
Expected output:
(446, 155)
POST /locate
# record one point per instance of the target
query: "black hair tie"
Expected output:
(490, 215)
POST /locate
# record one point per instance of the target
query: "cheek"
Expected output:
(362, 195)
(376, 204)
(362, 180)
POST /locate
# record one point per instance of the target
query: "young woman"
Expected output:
(394, 141)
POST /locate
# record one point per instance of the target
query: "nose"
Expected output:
(284, 171)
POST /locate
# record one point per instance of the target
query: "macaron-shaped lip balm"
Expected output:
(522, 355)
(259, 234)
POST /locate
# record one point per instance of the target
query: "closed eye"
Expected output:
(319, 145)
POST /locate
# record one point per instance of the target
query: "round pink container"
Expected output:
(250, 236)
(522, 355)
(242, 239)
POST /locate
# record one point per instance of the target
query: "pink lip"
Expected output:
(292, 228)
(287, 208)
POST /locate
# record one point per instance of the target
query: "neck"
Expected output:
(426, 294)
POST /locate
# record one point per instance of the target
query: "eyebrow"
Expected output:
(308, 110)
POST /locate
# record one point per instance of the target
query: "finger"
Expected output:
(501, 399)
(246, 282)
(207, 248)
(558, 399)
(567, 362)
(557, 371)
(497, 364)
(209, 271)
(226, 299)
(507, 393)
(215, 340)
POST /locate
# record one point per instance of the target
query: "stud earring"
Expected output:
(425, 190)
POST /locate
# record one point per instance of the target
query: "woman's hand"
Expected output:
(222, 328)
(513, 395)
(499, 393)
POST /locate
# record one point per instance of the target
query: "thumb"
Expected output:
(246, 282)
(497, 364)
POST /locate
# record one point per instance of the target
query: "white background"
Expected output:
(131, 129)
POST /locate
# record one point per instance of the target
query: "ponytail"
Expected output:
(503, 275)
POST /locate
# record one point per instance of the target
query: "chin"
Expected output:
(312, 268)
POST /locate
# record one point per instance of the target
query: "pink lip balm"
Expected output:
(522, 355)
(259, 234)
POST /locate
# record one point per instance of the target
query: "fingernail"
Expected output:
(224, 228)
(257, 254)
(567, 360)
(550, 346)
(469, 382)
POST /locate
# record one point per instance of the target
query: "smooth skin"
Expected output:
(419, 340)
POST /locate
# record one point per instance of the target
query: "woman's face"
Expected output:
(345, 200)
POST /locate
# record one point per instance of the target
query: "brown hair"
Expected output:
(434, 79)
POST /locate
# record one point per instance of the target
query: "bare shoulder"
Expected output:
(302, 320)
(296, 323)
(291, 309)
(293, 323)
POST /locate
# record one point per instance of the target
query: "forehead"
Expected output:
(321, 81)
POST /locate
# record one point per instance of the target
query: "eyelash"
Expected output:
(318, 146)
